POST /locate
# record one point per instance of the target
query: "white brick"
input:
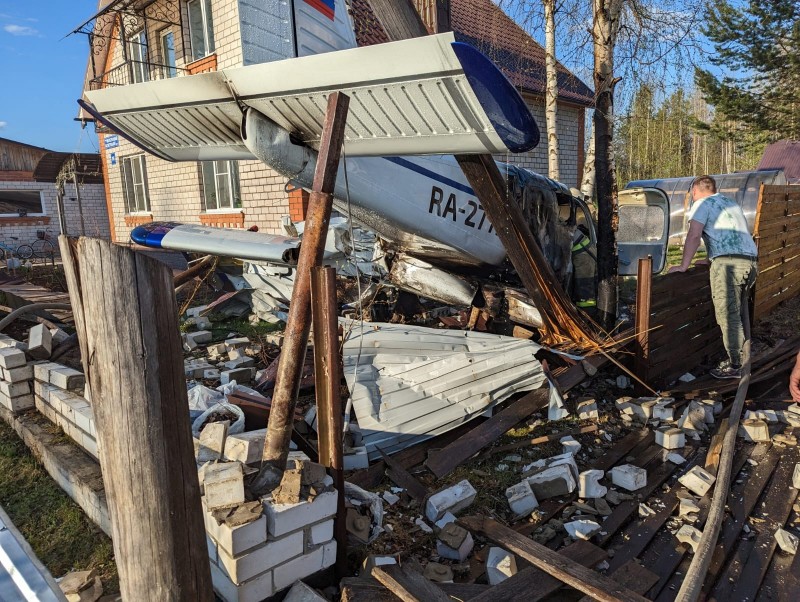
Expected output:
(500, 565)
(246, 447)
(237, 540)
(40, 342)
(521, 499)
(698, 480)
(211, 546)
(66, 378)
(12, 358)
(629, 477)
(16, 375)
(451, 499)
(18, 404)
(285, 518)
(256, 561)
(15, 389)
(300, 567)
(254, 590)
(320, 533)
(224, 485)
(41, 372)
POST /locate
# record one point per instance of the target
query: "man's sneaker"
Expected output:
(726, 370)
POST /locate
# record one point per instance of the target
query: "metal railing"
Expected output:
(122, 74)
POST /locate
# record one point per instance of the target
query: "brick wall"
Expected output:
(93, 201)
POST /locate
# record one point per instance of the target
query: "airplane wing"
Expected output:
(429, 95)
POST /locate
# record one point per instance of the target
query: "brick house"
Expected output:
(134, 40)
(29, 193)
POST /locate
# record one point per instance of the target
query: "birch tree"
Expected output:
(551, 88)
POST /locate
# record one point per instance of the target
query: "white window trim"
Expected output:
(231, 188)
(163, 58)
(145, 185)
(17, 215)
(139, 62)
(206, 41)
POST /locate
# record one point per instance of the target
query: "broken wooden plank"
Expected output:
(581, 578)
(532, 584)
(407, 583)
(444, 461)
(359, 589)
(539, 440)
(633, 576)
(402, 478)
(715, 448)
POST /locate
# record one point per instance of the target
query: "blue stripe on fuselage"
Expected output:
(430, 174)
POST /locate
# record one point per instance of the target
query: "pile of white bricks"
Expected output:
(286, 543)
(58, 393)
(16, 375)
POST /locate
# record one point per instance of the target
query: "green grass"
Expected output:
(59, 532)
(675, 255)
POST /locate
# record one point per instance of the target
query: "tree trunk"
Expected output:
(604, 34)
(551, 89)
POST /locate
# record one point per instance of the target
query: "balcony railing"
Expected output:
(131, 72)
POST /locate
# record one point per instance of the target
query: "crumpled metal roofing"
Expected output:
(413, 382)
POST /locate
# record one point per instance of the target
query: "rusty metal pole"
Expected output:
(328, 378)
(298, 324)
(644, 285)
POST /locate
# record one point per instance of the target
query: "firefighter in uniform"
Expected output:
(584, 262)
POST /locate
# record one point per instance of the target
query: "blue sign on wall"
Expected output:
(113, 157)
(111, 141)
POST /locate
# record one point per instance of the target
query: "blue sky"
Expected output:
(43, 72)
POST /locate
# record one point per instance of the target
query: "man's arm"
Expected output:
(794, 380)
(693, 238)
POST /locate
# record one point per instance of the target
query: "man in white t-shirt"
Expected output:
(721, 224)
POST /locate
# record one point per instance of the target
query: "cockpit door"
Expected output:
(643, 229)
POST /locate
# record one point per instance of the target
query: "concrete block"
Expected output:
(589, 486)
(66, 378)
(521, 499)
(240, 375)
(224, 485)
(439, 573)
(552, 482)
(40, 342)
(787, 541)
(15, 389)
(16, 375)
(12, 358)
(687, 507)
(257, 560)
(297, 568)
(211, 374)
(235, 343)
(212, 441)
(300, 592)
(670, 438)
(629, 477)
(240, 362)
(689, 535)
(199, 337)
(356, 458)
(18, 404)
(236, 540)
(500, 565)
(285, 518)
(570, 445)
(194, 312)
(247, 447)
(755, 430)
(582, 529)
(454, 543)
(698, 480)
(453, 499)
(255, 590)
(320, 533)
(561, 459)
(328, 554)
(447, 518)
(41, 372)
(211, 546)
(587, 410)
(664, 411)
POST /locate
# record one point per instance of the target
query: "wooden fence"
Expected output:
(777, 233)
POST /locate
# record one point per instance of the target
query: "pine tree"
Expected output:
(758, 45)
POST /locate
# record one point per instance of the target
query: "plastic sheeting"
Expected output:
(410, 383)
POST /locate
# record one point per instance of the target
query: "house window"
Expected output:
(20, 203)
(168, 53)
(134, 182)
(201, 28)
(221, 185)
(137, 52)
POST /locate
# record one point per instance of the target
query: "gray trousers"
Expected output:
(732, 277)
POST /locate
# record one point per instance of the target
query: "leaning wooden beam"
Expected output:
(539, 440)
(407, 583)
(298, 324)
(444, 461)
(581, 578)
(127, 321)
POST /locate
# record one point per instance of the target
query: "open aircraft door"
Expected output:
(643, 229)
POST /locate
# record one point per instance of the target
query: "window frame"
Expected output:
(138, 56)
(126, 193)
(43, 213)
(230, 183)
(207, 20)
(170, 68)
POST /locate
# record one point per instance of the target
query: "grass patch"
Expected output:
(59, 532)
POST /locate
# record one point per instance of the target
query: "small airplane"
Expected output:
(414, 103)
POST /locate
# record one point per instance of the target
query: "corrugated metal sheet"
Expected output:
(407, 98)
(784, 155)
(413, 383)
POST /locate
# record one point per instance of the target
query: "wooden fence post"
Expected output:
(644, 281)
(127, 322)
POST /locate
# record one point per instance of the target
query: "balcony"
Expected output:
(133, 71)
